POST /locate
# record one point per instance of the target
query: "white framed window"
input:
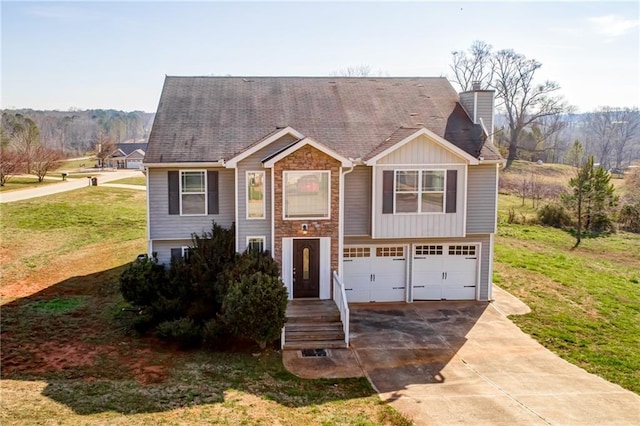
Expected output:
(193, 193)
(186, 251)
(419, 191)
(306, 194)
(255, 195)
(255, 244)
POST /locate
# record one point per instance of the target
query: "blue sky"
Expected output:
(62, 55)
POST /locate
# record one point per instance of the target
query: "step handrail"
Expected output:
(340, 297)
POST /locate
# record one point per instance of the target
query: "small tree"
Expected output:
(43, 160)
(11, 163)
(591, 199)
(255, 307)
(104, 147)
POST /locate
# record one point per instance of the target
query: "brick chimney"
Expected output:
(480, 105)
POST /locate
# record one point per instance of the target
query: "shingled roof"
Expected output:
(207, 119)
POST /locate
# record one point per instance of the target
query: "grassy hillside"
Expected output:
(585, 302)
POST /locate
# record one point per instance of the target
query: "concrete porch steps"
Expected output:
(313, 324)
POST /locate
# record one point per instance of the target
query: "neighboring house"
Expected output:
(391, 183)
(127, 156)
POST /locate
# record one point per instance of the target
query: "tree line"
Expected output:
(35, 142)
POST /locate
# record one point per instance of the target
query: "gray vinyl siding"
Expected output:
(163, 249)
(253, 163)
(484, 108)
(162, 225)
(485, 278)
(481, 199)
(357, 201)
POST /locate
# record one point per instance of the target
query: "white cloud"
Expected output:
(612, 25)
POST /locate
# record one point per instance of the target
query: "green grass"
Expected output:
(24, 182)
(71, 165)
(69, 355)
(138, 180)
(585, 302)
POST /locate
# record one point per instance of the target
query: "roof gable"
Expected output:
(268, 139)
(274, 158)
(396, 144)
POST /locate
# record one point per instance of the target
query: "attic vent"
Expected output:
(413, 114)
(419, 85)
(332, 82)
(419, 124)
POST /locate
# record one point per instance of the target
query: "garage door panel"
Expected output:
(446, 271)
(375, 273)
(427, 292)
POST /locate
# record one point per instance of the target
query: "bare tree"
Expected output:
(23, 134)
(524, 101)
(511, 75)
(473, 66)
(358, 71)
(626, 127)
(104, 147)
(11, 164)
(611, 131)
(44, 160)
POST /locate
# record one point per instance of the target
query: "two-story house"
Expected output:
(391, 183)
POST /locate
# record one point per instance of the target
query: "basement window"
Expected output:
(313, 353)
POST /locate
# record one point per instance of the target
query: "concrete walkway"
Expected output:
(445, 363)
(69, 185)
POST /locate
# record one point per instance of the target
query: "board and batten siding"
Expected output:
(420, 151)
(162, 225)
(253, 163)
(424, 154)
(486, 274)
(357, 201)
(481, 199)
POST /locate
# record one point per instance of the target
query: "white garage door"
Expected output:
(445, 271)
(375, 273)
(134, 164)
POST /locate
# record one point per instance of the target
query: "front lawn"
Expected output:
(24, 182)
(69, 357)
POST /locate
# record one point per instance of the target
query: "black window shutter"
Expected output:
(212, 192)
(387, 191)
(174, 191)
(176, 253)
(452, 188)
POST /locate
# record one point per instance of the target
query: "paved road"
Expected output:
(446, 363)
(69, 185)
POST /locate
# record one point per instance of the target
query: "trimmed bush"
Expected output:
(554, 215)
(255, 307)
(140, 280)
(185, 302)
(184, 331)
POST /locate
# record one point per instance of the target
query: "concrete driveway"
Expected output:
(446, 363)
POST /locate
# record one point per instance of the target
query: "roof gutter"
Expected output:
(219, 163)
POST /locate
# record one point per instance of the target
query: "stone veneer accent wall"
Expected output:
(307, 158)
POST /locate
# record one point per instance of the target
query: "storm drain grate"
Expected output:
(314, 352)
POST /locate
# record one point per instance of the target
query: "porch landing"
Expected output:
(313, 324)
